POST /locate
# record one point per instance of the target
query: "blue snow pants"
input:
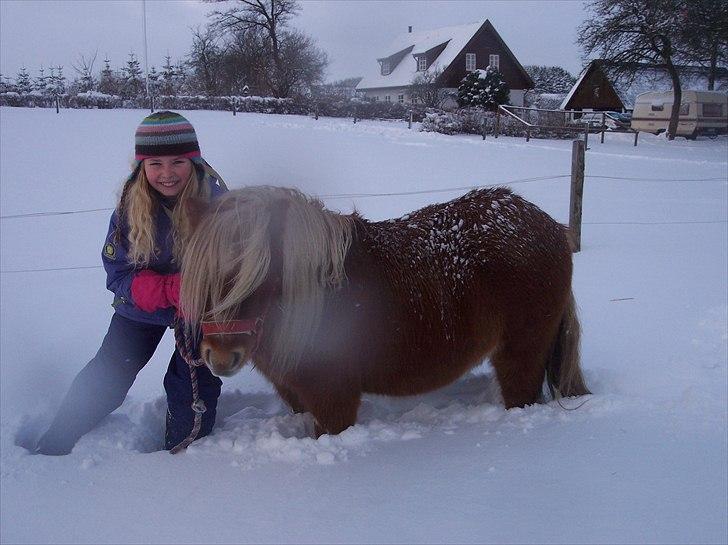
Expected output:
(101, 386)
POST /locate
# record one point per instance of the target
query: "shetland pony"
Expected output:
(330, 306)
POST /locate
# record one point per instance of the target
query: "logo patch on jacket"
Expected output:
(109, 250)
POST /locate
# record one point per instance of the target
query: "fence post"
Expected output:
(586, 136)
(316, 114)
(496, 130)
(577, 191)
(604, 121)
(636, 133)
(57, 105)
(232, 103)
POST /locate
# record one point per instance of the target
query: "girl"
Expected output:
(141, 255)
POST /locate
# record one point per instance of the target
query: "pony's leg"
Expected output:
(290, 398)
(520, 368)
(334, 410)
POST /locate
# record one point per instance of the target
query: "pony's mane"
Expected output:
(229, 256)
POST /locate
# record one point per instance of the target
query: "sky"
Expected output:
(36, 33)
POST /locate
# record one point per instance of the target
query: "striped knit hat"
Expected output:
(166, 133)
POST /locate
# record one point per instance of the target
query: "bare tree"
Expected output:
(426, 88)
(703, 35)
(627, 32)
(84, 67)
(286, 58)
(205, 59)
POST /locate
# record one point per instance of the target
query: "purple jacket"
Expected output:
(120, 273)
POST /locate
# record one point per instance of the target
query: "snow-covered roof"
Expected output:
(402, 75)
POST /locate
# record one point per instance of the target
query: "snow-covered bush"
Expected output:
(94, 99)
(483, 87)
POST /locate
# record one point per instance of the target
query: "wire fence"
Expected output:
(333, 196)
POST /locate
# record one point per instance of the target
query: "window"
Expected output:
(421, 64)
(658, 107)
(400, 99)
(712, 110)
(414, 100)
(685, 108)
(376, 99)
(469, 62)
(387, 98)
(494, 61)
(385, 68)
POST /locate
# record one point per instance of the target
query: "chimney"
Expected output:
(410, 29)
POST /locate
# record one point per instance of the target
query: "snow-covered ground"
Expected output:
(644, 460)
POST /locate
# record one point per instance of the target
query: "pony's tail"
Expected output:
(563, 372)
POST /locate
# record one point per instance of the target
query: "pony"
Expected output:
(329, 306)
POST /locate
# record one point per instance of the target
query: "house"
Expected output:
(599, 88)
(453, 52)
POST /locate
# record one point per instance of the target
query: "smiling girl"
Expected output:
(142, 252)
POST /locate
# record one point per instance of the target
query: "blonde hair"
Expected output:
(229, 256)
(138, 206)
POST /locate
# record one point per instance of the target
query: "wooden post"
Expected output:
(636, 133)
(316, 114)
(604, 125)
(586, 136)
(232, 103)
(496, 130)
(577, 191)
(484, 126)
(57, 106)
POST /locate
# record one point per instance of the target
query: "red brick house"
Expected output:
(454, 50)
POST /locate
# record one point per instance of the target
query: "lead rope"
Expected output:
(184, 347)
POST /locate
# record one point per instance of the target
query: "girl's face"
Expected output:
(168, 174)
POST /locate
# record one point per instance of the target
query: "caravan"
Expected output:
(701, 112)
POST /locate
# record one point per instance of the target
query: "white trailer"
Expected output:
(701, 112)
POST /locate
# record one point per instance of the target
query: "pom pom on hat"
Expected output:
(166, 133)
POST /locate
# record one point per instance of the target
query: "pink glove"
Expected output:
(152, 291)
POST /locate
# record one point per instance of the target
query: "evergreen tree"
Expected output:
(23, 83)
(57, 81)
(84, 67)
(550, 79)
(108, 82)
(133, 82)
(180, 78)
(153, 82)
(484, 88)
(41, 82)
(168, 78)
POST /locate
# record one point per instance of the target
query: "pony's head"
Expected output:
(255, 272)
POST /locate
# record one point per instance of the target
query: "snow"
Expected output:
(456, 38)
(644, 460)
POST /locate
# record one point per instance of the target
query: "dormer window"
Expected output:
(421, 64)
(386, 68)
(470, 62)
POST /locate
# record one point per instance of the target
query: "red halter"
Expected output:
(233, 327)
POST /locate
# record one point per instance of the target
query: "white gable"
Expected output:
(403, 74)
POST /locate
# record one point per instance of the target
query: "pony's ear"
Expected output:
(196, 209)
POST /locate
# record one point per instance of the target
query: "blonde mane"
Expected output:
(229, 254)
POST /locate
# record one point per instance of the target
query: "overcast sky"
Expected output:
(352, 32)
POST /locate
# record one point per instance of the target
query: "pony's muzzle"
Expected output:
(223, 361)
